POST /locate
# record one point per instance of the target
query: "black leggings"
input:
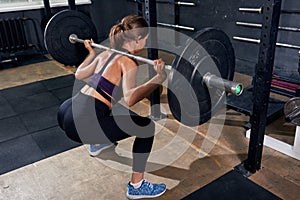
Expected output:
(89, 121)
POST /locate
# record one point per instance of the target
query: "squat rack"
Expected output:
(262, 83)
(262, 79)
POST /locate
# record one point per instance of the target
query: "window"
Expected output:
(18, 5)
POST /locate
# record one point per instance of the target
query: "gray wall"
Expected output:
(224, 14)
(106, 13)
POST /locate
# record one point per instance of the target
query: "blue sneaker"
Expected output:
(147, 190)
(96, 149)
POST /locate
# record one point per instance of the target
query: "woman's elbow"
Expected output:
(78, 76)
(129, 101)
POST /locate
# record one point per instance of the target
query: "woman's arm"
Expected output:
(133, 94)
(88, 66)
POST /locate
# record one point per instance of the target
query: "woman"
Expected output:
(112, 76)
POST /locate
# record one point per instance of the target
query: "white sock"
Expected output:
(137, 185)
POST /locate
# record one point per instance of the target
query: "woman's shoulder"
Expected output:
(126, 61)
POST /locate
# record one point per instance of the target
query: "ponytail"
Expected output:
(115, 36)
(120, 32)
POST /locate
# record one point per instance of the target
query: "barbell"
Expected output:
(209, 79)
(195, 92)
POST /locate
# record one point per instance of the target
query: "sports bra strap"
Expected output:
(107, 62)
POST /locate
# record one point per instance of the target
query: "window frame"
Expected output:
(33, 5)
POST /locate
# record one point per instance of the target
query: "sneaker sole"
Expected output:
(96, 153)
(144, 196)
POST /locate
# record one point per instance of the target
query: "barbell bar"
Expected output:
(260, 26)
(257, 41)
(209, 79)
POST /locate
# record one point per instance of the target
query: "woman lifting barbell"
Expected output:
(86, 118)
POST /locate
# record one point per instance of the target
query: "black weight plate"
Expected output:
(58, 30)
(209, 51)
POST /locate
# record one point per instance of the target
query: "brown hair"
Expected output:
(120, 32)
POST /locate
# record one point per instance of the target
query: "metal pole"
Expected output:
(72, 5)
(255, 10)
(47, 14)
(140, 8)
(47, 8)
(176, 21)
(262, 83)
(290, 11)
(151, 17)
(260, 10)
(299, 62)
(284, 28)
(257, 41)
(176, 26)
(181, 3)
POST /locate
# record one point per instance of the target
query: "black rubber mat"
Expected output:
(40, 120)
(23, 91)
(53, 141)
(63, 93)
(11, 128)
(59, 82)
(34, 102)
(5, 109)
(19, 152)
(231, 186)
(28, 126)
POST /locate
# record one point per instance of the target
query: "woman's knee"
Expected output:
(73, 136)
(152, 126)
(146, 126)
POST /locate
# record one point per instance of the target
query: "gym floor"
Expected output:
(73, 174)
